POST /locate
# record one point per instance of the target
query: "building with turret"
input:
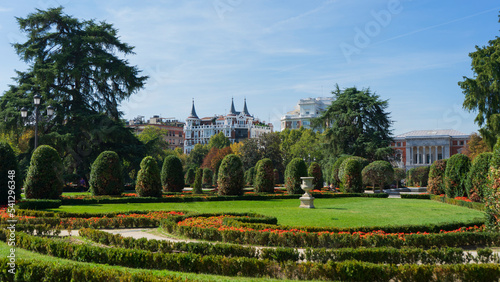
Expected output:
(236, 126)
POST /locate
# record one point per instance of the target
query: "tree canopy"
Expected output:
(356, 123)
(482, 91)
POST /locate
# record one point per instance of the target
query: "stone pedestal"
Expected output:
(306, 201)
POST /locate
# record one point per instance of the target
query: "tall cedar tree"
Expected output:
(482, 91)
(357, 124)
(77, 66)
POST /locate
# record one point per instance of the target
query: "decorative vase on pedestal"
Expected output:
(306, 201)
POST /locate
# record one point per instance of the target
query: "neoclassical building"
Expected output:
(423, 147)
(235, 125)
(305, 110)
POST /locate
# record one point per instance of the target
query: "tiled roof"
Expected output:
(435, 132)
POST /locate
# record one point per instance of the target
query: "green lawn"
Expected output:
(340, 212)
(24, 254)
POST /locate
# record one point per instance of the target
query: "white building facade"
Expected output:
(236, 126)
(305, 110)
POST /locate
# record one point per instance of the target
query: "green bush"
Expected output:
(197, 181)
(264, 176)
(399, 174)
(9, 175)
(477, 178)
(172, 177)
(492, 191)
(44, 180)
(315, 171)
(336, 181)
(249, 176)
(148, 179)
(207, 177)
(436, 177)
(295, 169)
(350, 175)
(189, 177)
(38, 204)
(455, 177)
(230, 180)
(418, 176)
(106, 175)
(416, 196)
(378, 173)
(456, 202)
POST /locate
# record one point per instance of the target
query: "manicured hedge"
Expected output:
(314, 170)
(336, 181)
(477, 178)
(10, 175)
(350, 175)
(295, 169)
(455, 177)
(106, 175)
(172, 178)
(492, 191)
(249, 176)
(378, 173)
(251, 267)
(38, 204)
(436, 177)
(231, 176)
(197, 185)
(416, 196)
(452, 201)
(148, 179)
(264, 176)
(44, 179)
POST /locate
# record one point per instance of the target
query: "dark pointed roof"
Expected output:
(233, 111)
(193, 112)
(245, 109)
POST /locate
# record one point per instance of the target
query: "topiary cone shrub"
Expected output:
(296, 169)
(336, 182)
(44, 179)
(477, 179)
(455, 177)
(436, 177)
(190, 174)
(350, 175)
(230, 180)
(264, 176)
(148, 179)
(207, 177)
(249, 176)
(197, 181)
(9, 174)
(378, 173)
(172, 177)
(106, 175)
(314, 170)
(492, 191)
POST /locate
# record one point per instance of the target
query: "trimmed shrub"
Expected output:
(44, 180)
(378, 173)
(264, 176)
(106, 175)
(350, 175)
(477, 179)
(172, 177)
(492, 191)
(436, 177)
(148, 179)
(335, 170)
(190, 175)
(418, 176)
(197, 181)
(249, 176)
(231, 174)
(38, 204)
(399, 174)
(315, 171)
(207, 177)
(455, 177)
(295, 169)
(9, 175)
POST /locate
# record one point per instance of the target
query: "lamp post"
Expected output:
(24, 113)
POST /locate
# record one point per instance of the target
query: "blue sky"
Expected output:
(274, 53)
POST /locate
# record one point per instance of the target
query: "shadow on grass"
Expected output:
(340, 209)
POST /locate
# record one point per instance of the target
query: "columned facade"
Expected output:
(424, 147)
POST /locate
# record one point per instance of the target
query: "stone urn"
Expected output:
(307, 201)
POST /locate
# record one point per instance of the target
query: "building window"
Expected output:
(461, 143)
(307, 113)
(440, 156)
(398, 144)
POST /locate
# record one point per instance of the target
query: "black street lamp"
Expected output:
(24, 113)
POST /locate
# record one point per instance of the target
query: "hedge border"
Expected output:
(416, 196)
(470, 205)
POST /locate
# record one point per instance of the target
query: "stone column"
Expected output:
(418, 155)
(408, 156)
